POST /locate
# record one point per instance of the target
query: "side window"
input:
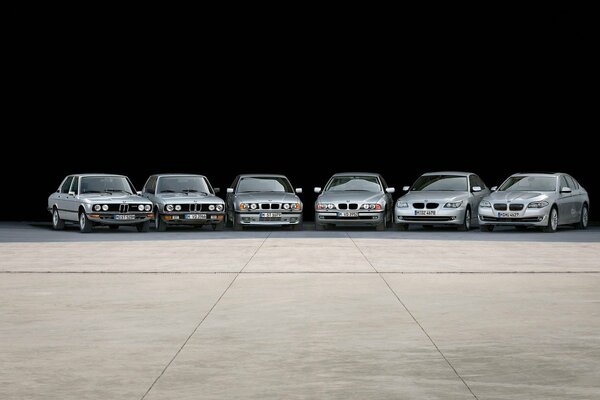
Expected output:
(150, 186)
(480, 182)
(475, 181)
(235, 182)
(383, 182)
(66, 185)
(563, 182)
(571, 182)
(75, 185)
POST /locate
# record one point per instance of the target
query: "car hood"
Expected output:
(510, 196)
(349, 196)
(267, 197)
(437, 196)
(178, 198)
(113, 198)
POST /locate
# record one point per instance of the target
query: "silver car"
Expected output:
(542, 200)
(441, 198)
(99, 199)
(263, 200)
(184, 199)
(354, 198)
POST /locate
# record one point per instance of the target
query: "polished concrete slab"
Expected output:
(348, 314)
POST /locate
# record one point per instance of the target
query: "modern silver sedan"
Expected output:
(354, 198)
(544, 200)
(441, 198)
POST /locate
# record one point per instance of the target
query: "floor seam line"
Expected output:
(414, 319)
(204, 318)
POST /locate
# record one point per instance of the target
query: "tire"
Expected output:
(585, 215)
(552, 221)
(466, 224)
(402, 227)
(113, 227)
(85, 225)
(143, 227)
(383, 225)
(159, 224)
(57, 223)
(219, 227)
(236, 225)
(486, 228)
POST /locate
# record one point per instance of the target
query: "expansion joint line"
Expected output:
(204, 318)
(413, 318)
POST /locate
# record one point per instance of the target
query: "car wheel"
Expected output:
(85, 225)
(382, 225)
(143, 227)
(57, 223)
(585, 215)
(402, 227)
(466, 225)
(113, 227)
(552, 221)
(486, 228)
(236, 225)
(159, 224)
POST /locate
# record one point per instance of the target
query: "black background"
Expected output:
(306, 94)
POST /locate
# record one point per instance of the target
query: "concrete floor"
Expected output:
(299, 315)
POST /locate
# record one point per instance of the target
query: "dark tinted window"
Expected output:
(563, 182)
(476, 181)
(150, 186)
(66, 185)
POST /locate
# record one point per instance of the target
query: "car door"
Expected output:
(71, 203)
(564, 202)
(576, 198)
(61, 198)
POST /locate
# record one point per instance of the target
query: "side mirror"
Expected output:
(217, 190)
(71, 193)
(298, 190)
(139, 193)
(317, 190)
(476, 189)
(565, 189)
(494, 188)
(229, 190)
(405, 188)
(391, 190)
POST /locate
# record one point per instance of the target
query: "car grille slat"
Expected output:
(500, 206)
(516, 207)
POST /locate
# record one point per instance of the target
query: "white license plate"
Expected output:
(270, 215)
(508, 214)
(195, 216)
(347, 214)
(424, 212)
(124, 217)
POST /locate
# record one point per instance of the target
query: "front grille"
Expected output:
(270, 218)
(516, 207)
(342, 206)
(432, 205)
(270, 206)
(427, 218)
(121, 208)
(421, 206)
(500, 206)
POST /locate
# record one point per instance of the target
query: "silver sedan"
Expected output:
(441, 198)
(354, 198)
(542, 200)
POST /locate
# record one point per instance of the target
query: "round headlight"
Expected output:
(219, 207)
(286, 206)
(211, 207)
(97, 207)
(141, 207)
(330, 206)
(105, 207)
(147, 207)
(365, 206)
(177, 207)
(169, 207)
(253, 206)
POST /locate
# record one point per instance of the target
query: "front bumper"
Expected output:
(111, 218)
(525, 217)
(267, 219)
(438, 216)
(188, 218)
(362, 218)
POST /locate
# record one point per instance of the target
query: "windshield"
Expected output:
(105, 184)
(354, 183)
(264, 184)
(523, 183)
(445, 183)
(182, 184)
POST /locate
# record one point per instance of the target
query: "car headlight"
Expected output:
(538, 204)
(243, 206)
(147, 207)
(211, 207)
(177, 207)
(366, 206)
(453, 204)
(97, 207)
(105, 207)
(219, 207)
(330, 206)
(402, 204)
(141, 207)
(286, 206)
(253, 206)
(485, 204)
(295, 206)
(169, 207)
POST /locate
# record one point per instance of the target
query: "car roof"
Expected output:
(356, 173)
(173, 174)
(261, 176)
(95, 174)
(539, 173)
(459, 173)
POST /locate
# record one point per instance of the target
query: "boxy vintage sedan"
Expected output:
(263, 200)
(354, 199)
(441, 198)
(184, 199)
(99, 199)
(544, 200)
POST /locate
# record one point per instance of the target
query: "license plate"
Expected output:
(124, 217)
(348, 214)
(508, 214)
(424, 212)
(270, 215)
(195, 216)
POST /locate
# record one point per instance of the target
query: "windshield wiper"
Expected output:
(167, 191)
(91, 191)
(111, 191)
